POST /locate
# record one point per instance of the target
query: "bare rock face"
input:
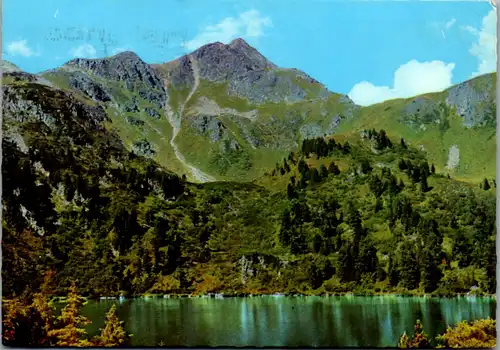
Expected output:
(125, 66)
(247, 72)
(82, 82)
(472, 102)
(54, 108)
(209, 126)
(219, 62)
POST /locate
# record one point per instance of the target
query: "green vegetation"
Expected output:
(439, 129)
(470, 335)
(340, 215)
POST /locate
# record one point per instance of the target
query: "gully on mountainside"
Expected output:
(175, 122)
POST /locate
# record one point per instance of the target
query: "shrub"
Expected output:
(477, 334)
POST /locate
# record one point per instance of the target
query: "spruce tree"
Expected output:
(314, 175)
(291, 192)
(323, 172)
(113, 334)
(333, 169)
(486, 185)
(403, 144)
(72, 330)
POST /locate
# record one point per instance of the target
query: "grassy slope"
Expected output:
(272, 127)
(278, 127)
(477, 145)
(156, 132)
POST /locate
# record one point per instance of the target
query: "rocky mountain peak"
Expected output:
(218, 61)
(8, 67)
(125, 66)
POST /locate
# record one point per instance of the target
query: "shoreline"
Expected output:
(288, 295)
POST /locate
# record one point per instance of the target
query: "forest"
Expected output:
(366, 215)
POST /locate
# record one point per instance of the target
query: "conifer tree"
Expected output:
(314, 174)
(291, 192)
(486, 185)
(113, 334)
(403, 144)
(323, 172)
(333, 169)
(71, 331)
(433, 169)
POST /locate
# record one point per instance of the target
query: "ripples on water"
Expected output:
(338, 321)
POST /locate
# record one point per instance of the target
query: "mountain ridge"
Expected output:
(233, 113)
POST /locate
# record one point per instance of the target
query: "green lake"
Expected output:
(340, 321)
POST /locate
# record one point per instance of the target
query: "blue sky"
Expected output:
(371, 50)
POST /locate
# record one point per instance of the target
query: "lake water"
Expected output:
(341, 321)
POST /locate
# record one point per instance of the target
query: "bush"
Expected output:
(419, 339)
(477, 334)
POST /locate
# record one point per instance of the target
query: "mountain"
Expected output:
(362, 211)
(339, 215)
(225, 112)
(221, 112)
(456, 128)
(8, 67)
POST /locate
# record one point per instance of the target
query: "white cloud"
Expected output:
(117, 50)
(84, 51)
(410, 79)
(485, 48)
(248, 24)
(20, 48)
(450, 23)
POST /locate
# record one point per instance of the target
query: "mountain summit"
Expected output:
(246, 72)
(226, 112)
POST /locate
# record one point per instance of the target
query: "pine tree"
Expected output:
(409, 272)
(433, 169)
(314, 175)
(403, 144)
(345, 264)
(486, 185)
(71, 322)
(333, 169)
(393, 272)
(303, 167)
(113, 334)
(291, 192)
(323, 172)
(347, 148)
(423, 185)
(432, 257)
(365, 166)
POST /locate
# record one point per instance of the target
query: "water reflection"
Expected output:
(285, 321)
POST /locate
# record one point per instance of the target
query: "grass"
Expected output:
(278, 129)
(476, 145)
